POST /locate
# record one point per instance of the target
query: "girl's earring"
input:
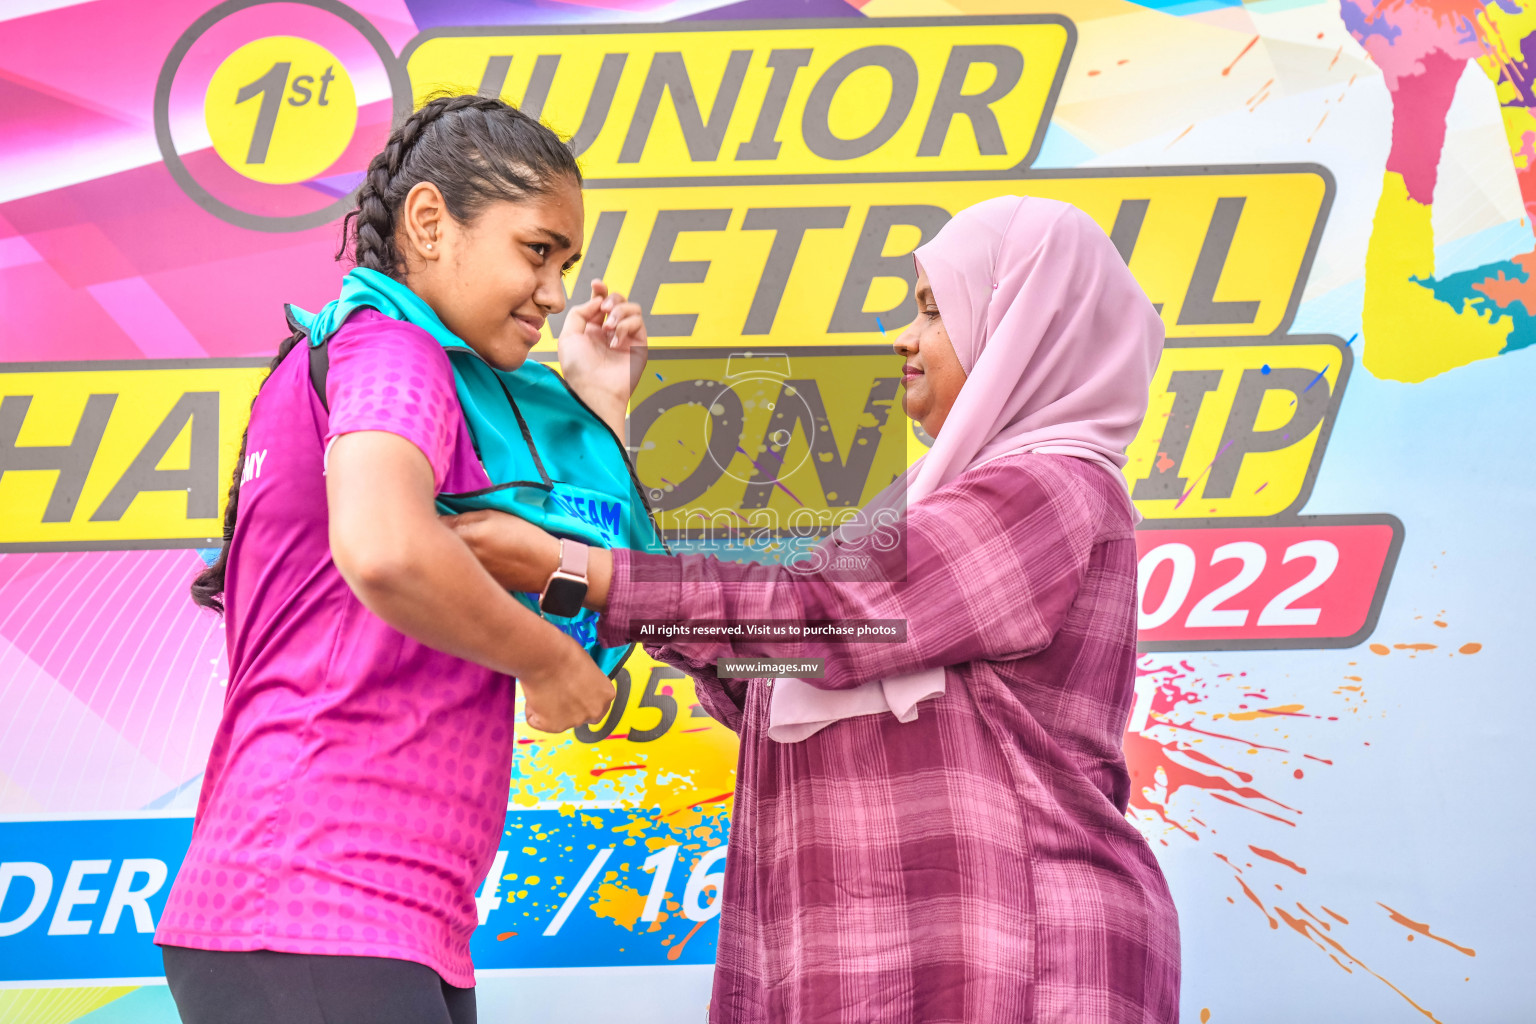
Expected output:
(429, 245)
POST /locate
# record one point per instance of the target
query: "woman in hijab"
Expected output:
(935, 830)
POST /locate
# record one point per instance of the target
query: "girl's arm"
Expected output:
(411, 571)
(987, 570)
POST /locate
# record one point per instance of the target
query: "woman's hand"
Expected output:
(517, 554)
(603, 349)
(521, 557)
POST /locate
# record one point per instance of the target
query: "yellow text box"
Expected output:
(839, 96)
(1236, 429)
(1222, 253)
(126, 456)
(766, 442)
(122, 456)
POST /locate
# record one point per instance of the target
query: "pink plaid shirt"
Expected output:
(975, 865)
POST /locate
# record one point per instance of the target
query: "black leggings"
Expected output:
(263, 987)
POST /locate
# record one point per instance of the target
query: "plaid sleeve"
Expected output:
(986, 570)
(652, 592)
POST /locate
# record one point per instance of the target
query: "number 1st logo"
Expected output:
(280, 110)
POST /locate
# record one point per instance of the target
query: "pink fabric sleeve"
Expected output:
(993, 563)
(393, 376)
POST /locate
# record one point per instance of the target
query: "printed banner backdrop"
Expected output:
(1327, 201)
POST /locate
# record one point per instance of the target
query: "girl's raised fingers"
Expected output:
(592, 309)
(630, 330)
(590, 312)
(623, 311)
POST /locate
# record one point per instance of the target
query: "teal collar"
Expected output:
(368, 289)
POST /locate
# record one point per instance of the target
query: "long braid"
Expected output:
(476, 150)
(208, 586)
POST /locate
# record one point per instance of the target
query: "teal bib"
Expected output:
(551, 460)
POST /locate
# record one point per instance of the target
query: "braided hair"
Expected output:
(477, 151)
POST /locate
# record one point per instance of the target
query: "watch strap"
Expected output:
(573, 558)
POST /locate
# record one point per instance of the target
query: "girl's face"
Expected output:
(932, 377)
(495, 279)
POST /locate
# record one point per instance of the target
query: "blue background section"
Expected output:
(551, 846)
(33, 954)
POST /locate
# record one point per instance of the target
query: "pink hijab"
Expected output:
(1058, 343)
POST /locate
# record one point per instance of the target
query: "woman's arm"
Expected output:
(987, 570)
(412, 572)
(520, 556)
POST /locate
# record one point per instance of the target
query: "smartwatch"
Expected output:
(567, 586)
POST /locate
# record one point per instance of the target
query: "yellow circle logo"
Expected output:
(280, 110)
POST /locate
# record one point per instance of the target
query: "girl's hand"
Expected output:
(569, 692)
(603, 350)
(569, 689)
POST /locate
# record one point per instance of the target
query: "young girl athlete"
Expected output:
(357, 786)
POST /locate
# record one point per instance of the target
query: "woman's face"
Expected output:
(495, 279)
(932, 377)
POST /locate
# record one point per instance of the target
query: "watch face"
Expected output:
(563, 597)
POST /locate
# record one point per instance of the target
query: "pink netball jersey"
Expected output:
(357, 787)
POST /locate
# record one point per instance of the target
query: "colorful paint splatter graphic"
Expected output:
(658, 776)
(1422, 48)
(1235, 739)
